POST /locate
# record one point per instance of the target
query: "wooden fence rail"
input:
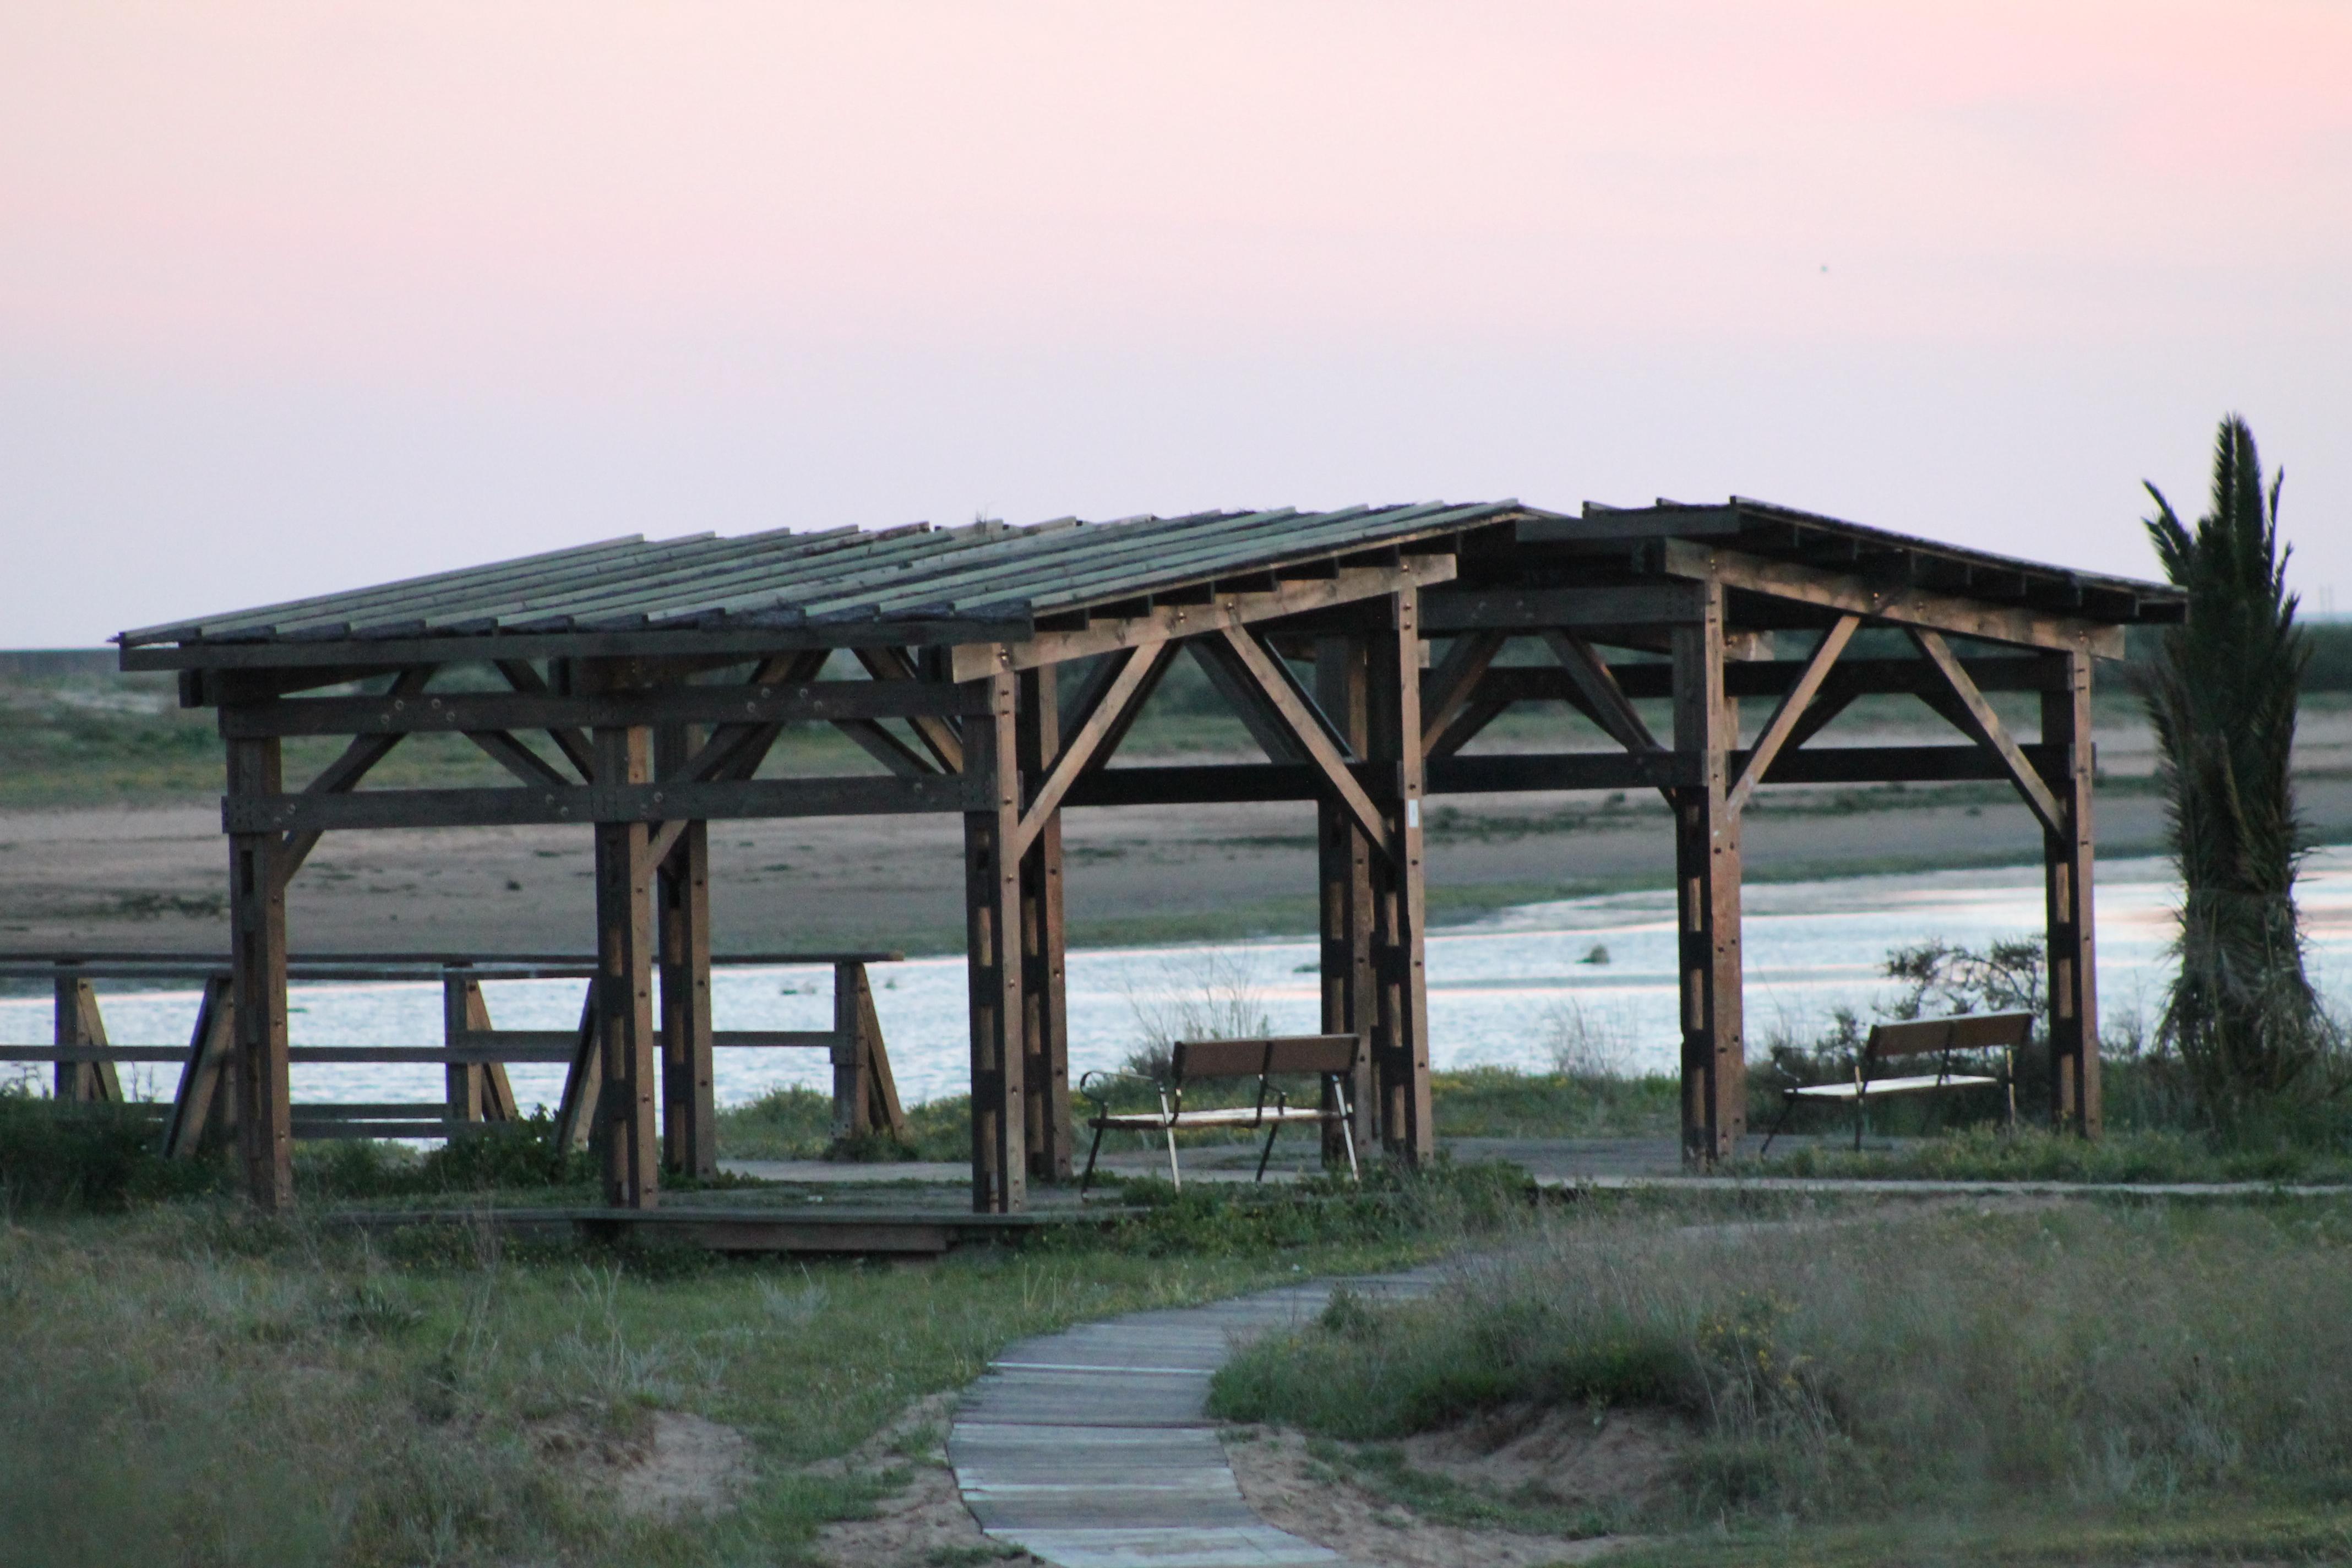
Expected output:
(474, 1055)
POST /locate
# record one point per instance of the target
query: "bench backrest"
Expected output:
(1190, 1060)
(1971, 1032)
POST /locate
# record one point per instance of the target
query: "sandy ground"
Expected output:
(154, 878)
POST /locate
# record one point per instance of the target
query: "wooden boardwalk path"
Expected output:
(1094, 1448)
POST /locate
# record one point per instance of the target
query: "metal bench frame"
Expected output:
(1333, 1057)
(1943, 1037)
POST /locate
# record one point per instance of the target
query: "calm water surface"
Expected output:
(1504, 991)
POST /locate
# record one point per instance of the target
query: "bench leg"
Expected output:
(1175, 1176)
(1787, 1109)
(1860, 1119)
(1267, 1153)
(1090, 1177)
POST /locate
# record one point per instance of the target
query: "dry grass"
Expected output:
(1955, 1365)
(188, 1385)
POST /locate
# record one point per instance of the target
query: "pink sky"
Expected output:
(296, 296)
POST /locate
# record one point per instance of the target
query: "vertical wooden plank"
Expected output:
(1344, 870)
(852, 1094)
(1045, 1028)
(1000, 1170)
(1707, 882)
(461, 1081)
(1399, 974)
(2067, 880)
(625, 983)
(258, 968)
(689, 1078)
(211, 1048)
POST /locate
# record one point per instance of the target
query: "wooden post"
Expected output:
(79, 1024)
(624, 1005)
(461, 1083)
(1045, 1026)
(852, 1114)
(1399, 1034)
(1344, 865)
(1706, 879)
(2067, 881)
(689, 1102)
(991, 818)
(256, 904)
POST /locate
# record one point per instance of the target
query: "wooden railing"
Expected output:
(473, 1053)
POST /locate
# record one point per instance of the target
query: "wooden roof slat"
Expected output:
(361, 597)
(418, 608)
(594, 603)
(993, 581)
(1111, 560)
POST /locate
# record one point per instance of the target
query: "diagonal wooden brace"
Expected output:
(1977, 720)
(1279, 694)
(1793, 703)
(1106, 712)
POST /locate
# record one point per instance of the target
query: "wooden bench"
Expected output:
(1331, 1057)
(1944, 1038)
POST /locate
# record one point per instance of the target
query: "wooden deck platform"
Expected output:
(920, 1231)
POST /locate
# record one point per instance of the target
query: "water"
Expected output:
(1499, 990)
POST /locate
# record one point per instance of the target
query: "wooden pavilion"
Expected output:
(646, 682)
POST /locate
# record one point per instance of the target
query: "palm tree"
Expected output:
(2221, 694)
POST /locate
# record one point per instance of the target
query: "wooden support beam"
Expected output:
(649, 802)
(1346, 585)
(476, 1091)
(1462, 609)
(886, 748)
(1278, 695)
(211, 1049)
(1399, 1033)
(342, 775)
(938, 731)
(1473, 717)
(80, 1026)
(1236, 686)
(624, 986)
(736, 645)
(1604, 700)
(1106, 710)
(516, 758)
(1044, 1022)
(864, 1094)
(1903, 607)
(1707, 879)
(584, 1082)
(682, 911)
(1833, 699)
(1448, 690)
(774, 701)
(1344, 872)
(570, 737)
(2067, 880)
(725, 750)
(1785, 718)
(1977, 719)
(257, 902)
(1000, 1171)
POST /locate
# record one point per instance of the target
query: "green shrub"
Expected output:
(65, 1156)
